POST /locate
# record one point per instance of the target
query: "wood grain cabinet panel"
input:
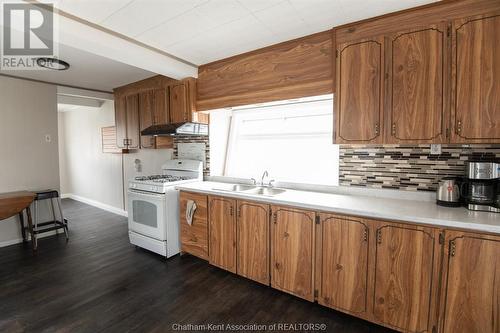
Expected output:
(146, 107)
(133, 134)
(292, 69)
(471, 284)
(194, 236)
(476, 79)
(121, 121)
(161, 106)
(292, 251)
(406, 276)
(344, 259)
(359, 102)
(416, 95)
(253, 241)
(178, 104)
(222, 230)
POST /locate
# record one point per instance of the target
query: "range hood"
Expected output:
(185, 128)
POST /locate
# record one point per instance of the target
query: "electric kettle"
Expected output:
(448, 192)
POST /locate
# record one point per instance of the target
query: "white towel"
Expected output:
(190, 209)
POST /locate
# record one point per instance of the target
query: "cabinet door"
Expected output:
(222, 229)
(194, 236)
(178, 104)
(359, 101)
(121, 121)
(471, 284)
(476, 79)
(406, 276)
(160, 110)
(253, 241)
(416, 94)
(344, 264)
(146, 100)
(133, 134)
(292, 251)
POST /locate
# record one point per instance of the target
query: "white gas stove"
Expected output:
(153, 206)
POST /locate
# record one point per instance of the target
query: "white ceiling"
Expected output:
(86, 70)
(202, 31)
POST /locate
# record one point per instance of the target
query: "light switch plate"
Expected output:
(435, 149)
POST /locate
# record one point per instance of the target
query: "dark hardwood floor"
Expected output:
(99, 282)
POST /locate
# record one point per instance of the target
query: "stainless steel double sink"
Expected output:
(253, 189)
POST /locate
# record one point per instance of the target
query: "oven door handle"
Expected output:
(146, 194)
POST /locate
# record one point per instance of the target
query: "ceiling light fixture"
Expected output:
(52, 63)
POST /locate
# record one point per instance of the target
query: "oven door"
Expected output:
(146, 214)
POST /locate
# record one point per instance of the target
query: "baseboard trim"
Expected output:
(20, 240)
(11, 242)
(95, 203)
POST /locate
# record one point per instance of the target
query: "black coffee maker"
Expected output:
(481, 187)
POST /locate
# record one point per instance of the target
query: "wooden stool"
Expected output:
(42, 227)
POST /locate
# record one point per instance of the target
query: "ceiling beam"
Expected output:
(81, 34)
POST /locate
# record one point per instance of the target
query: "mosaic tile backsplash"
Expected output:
(411, 168)
(195, 139)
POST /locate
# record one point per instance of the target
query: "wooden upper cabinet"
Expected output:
(194, 236)
(344, 264)
(133, 134)
(178, 104)
(121, 121)
(471, 284)
(292, 251)
(146, 100)
(161, 106)
(417, 67)
(359, 101)
(222, 230)
(253, 241)
(406, 277)
(476, 79)
(183, 101)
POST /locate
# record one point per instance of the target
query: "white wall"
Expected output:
(85, 170)
(89, 175)
(28, 112)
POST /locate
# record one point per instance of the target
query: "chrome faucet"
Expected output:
(264, 175)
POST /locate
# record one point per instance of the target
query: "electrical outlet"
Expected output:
(48, 139)
(435, 149)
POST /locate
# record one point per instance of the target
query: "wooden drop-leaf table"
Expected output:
(15, 203)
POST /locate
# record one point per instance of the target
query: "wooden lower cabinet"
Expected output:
(343, 259)
(292, 251)
(471, 284)
(253, 241)
(406, 277)
(194, 236)
(406, 268)
(222, 232)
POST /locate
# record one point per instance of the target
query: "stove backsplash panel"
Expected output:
(194, 139)
(404, 167)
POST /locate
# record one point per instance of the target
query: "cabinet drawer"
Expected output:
(194, 237)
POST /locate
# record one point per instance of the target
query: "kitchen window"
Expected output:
(291, 140)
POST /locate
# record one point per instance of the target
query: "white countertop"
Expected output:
(423, 212)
